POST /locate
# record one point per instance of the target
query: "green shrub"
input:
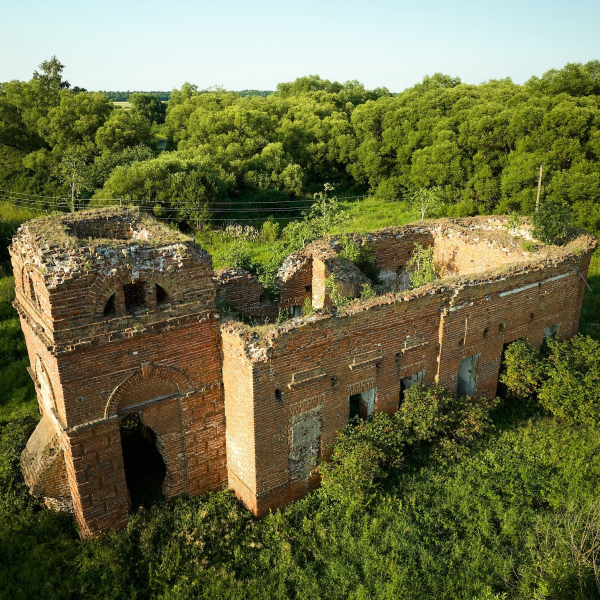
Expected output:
(431, 418)
(523, 369)
(421, 266)
(236, 255)
(571, 386)
(529, 246)
(563, 376)
(551, 222)
(445, 421)
(269, 231)
(362, 454)
(350, 248)
(367, 292)
(334, 293)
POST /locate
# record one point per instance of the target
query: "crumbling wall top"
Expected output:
(258, 341)
(64, 245)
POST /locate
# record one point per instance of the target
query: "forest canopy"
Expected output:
(479, 146)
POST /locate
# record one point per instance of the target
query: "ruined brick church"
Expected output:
(121, 317)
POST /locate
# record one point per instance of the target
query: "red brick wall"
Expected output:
(457, 254)
(297, 286)
(394, 249)
(164, 363)
(239, 288)
(318, 365)
(376, 336)
(239, 413)
(284, 394)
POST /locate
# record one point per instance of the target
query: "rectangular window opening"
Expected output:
(363, 404)
(407, 382)
(467, 375)
(552, 330)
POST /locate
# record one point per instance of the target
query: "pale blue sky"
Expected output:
(158, 45)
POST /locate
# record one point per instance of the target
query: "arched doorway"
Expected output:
(145, 469)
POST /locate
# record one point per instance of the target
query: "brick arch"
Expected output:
(104, 287)
(147, 383)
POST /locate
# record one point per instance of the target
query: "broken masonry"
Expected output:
(133, 339)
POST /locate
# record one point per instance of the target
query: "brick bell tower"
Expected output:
(119, 319)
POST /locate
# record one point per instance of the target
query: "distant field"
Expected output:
(124, 105)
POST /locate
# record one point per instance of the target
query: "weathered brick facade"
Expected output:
(119, 317)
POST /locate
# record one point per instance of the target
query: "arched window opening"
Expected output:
(32, 293)
(145, 468)
(135, 297)
(162, 298)
(109, 308)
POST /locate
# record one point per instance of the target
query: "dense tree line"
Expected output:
(124, 96)
(478, 146)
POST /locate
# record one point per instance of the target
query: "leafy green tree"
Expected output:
(179, 189)
(148, 106)
(571, 387)
(562, 376)
(73, 172)
(75, 122)
(103, 166)
(524, 370)
(123, 130)
(446, 422)
(426, 200)
(363, 454)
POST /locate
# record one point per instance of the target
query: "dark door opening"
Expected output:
(362, 404)
(145, 468)
(501, 389)
(354, 401)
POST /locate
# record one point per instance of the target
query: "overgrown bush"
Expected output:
(237, 255)
(432, 419)
(361, 252)
(337, 299)
(564, 376)
(363, 453)
(552, 221)
(421, 266)
(448, 423)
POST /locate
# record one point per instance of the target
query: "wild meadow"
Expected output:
(502, 512)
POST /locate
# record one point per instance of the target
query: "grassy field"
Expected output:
(17, 394)
(373, 213)
(590, 315)
(489, 526)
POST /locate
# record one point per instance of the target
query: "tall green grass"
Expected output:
(590, 314)
(17, 393)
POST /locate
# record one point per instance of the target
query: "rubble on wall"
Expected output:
(491, 235)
